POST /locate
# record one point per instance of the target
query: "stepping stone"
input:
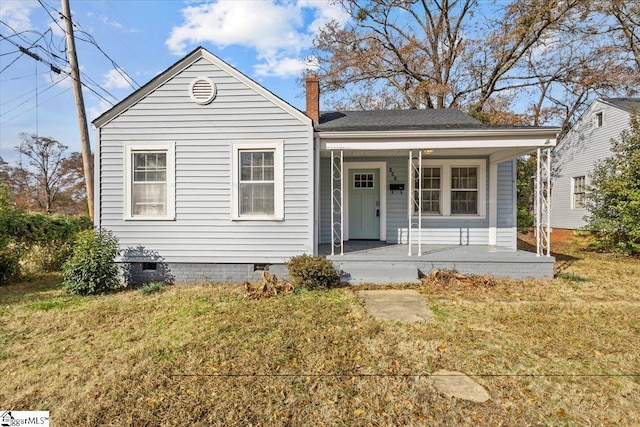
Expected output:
(460, 386)
(404, 305)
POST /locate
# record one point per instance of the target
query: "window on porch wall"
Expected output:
(431, 191)
(464, 191)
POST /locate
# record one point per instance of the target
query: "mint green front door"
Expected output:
(364, 204)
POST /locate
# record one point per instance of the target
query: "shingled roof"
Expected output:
(381, 120)
(624, 103)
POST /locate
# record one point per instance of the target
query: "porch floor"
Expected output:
(380, 262)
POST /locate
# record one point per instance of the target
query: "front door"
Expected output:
(364, 204)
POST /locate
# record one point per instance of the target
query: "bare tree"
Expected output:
(521, 62)
(40, 175)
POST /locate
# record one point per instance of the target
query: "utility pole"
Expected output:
(82, 115)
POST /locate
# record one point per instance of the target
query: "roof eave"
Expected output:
(532, 132)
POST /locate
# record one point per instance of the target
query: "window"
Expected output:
(599, 119)
(257, 180)
(363, 180)
(453, 187)
(579, 192)
(431, 190)
(149, 181)
(464, 191)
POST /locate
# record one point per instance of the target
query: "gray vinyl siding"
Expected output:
(507, 233)
(450, 230)
(203, 230)
(576, 155)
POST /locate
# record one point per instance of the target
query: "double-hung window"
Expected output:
(149, 181)
(431, 190)
(579, 192)
(464, 190)
(257, 180)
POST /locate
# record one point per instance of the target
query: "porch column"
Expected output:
(337, 212)
(415, 198)
(543, 202)
(493, 203)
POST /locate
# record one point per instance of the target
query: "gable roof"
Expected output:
(626, 104)
(179, 66)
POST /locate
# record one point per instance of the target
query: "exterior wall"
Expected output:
(576, 155)
(507, 233)
(451, 230)
(203, 231)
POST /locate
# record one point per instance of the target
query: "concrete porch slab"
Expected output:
(403, 305)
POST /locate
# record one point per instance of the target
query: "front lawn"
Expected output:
(550, 352)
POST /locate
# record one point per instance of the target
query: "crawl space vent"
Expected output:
(202, 90)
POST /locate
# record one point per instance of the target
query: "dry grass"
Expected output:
(550, 352)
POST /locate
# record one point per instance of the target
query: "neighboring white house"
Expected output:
(575, 156)
(205, 168)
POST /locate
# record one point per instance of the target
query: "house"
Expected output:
(204, 172)
(587, 142)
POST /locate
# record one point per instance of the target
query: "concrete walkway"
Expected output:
(403, 305)
(408, 305)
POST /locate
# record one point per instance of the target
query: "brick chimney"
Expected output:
(313, 98)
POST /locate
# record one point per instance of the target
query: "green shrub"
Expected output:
(9, 267)
(47, 239)
(152, 288)
(312, 272)
(613, 195)
(92, 269)
(9, 226)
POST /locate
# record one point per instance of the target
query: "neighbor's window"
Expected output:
(257, 180)
(150, 190)
(599, 119)
(579, 192)
(464, 190)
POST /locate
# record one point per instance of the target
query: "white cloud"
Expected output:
(279, 31)
(16, 13)
(116, 79)
(96, 110)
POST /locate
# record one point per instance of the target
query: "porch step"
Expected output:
(353, 272)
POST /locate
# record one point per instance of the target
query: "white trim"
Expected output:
(397, 141)
(265, 144)
(97, 174)
(446, 165)
(493, 204)
(170, 148)
(382, 167)
(316, 214)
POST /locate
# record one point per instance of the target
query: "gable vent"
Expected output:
(202, 90)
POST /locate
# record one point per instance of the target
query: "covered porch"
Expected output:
(435, 198)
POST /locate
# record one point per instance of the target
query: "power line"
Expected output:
(53, 67)
(91, 40)
(52, 84)
(34, 107)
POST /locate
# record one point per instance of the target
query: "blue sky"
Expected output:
(267, 40)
